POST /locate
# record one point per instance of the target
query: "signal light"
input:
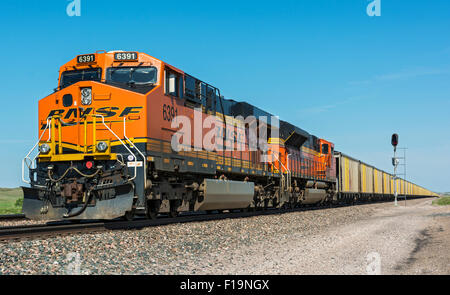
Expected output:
(394, 140)
(89, 164)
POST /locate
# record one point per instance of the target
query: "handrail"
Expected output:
(27, 160)
(279, 161)
(29, 153)
(288, 171)
(134, 146)
(120, 140)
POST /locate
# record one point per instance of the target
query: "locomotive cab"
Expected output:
(89, 163)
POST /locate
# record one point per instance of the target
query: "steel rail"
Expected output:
(41, 231)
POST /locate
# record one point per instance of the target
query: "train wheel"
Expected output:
(173, 214)
(129, 216)
(152, 215)
(174, 205)
(292, 204)
(152, 209)
(266, 205)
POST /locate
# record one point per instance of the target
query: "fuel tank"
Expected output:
(225, 194)
(314, 196)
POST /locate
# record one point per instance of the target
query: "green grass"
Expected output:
(442, 201)
(11, 200)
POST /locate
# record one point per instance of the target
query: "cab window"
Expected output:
(173, 83)
(132, 75)
(325, 149)
(71, 77)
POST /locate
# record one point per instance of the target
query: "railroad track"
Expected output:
(64, 228)
(45, 231)
(53, 229)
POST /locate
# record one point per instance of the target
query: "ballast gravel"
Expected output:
(19, 222)
(373, 238)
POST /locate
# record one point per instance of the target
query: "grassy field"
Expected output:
(11, 200)
(443, 201)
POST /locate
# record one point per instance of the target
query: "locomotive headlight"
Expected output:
(102, 146)
(44, 148)
(86, 96)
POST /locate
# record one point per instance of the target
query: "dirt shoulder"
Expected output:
(431, 254)
(408, 239)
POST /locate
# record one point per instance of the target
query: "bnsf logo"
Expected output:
(106, 112)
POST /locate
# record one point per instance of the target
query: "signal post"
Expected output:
(394, 142)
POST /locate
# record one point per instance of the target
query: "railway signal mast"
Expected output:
(395, 162)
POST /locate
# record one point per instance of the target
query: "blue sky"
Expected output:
(324, 65)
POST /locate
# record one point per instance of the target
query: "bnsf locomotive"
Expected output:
(105, 149)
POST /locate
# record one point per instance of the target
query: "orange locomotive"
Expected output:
(106, 148)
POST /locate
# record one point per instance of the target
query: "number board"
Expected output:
(125, 56)
(86, 58)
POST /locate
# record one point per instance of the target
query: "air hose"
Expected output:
(67, 171)
(79, 212)
(88, 199)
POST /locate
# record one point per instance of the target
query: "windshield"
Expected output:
(71, 77)
(132, 75)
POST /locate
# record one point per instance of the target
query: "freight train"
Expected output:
(111, 145)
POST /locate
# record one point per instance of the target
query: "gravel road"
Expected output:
(347, 240)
